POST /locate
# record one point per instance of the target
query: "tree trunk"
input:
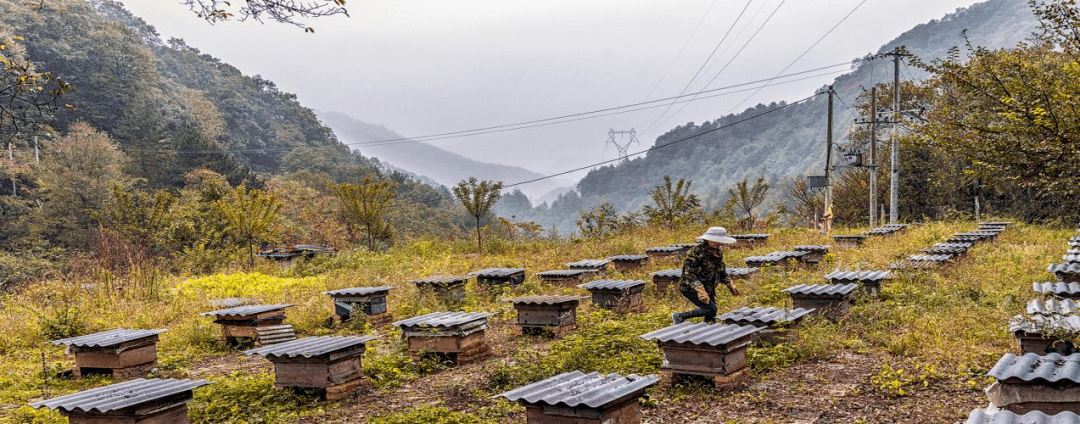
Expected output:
(478, 246)
(251, 253)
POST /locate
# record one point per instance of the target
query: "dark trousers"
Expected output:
(707, 310)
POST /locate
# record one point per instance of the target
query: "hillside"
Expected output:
(789, 144)
(446, 168)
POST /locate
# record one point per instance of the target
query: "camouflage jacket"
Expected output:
(701, 268)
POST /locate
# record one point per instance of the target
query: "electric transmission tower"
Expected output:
(628, 137)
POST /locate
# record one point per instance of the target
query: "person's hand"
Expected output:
(734, 291)
(702, 295)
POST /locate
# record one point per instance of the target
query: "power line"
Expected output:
(655, 147)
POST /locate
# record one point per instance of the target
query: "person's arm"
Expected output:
(724, 279)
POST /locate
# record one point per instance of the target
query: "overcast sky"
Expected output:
(436, 66)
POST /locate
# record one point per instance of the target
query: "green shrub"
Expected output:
(248, 399)
(427, 414)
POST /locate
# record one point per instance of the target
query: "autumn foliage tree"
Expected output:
(250, 215)
(367, 205)
(674, 204)
(478, 197)
(747, 198)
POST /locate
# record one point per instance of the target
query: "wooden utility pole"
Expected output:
(894, 183)
(827, 217)
(873, 156)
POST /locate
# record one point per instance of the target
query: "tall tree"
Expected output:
(250, 214)
(674, 203)
(367, 204)
(747, 198)
(478, 197)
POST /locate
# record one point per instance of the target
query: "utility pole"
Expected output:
(827, 224)
(894, 183)
(873, 156)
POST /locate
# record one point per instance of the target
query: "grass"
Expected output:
(952, 320)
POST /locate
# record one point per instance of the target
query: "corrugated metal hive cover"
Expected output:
(950, 251)
(441, 279)
(1067, 268)
(1045, 324)
(811, 248)
(859, 275)
(552, 299)
(576, 389)
(750, 236)
(120, 395)
(1071, 257)
(107, 338)
(669, 273)
(563, 273)
(735, 271)
(1057, 288)
(309, 346)
(980, 416)
(664, 249)
(954, 245)
(230, 302)
(701, 333)
(589, 263)
(612, 284)
(497, 272)
(849, 237)
(763, 316)
(628, 258)
(358, 291)
(442, 319)
(1051, 368)
(929, 258)
(823, 289)
(246, 310)
(1051, 307)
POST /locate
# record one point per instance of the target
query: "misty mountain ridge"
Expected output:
(428, 162)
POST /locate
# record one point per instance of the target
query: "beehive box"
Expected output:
(499, 276)
(1059, 289)
(142, 401)
(667, 278)
(579, 398)
(749, 240)
(565, 277)
(371, 301)
(457, 336)
(1066, 272)
(540, 313)
(714, 351)
(597, 266)
(628, 262)
(830, 300)
(1042, 334)
(815, 255)
(673, 252)
(777, 325)
(331, 364)
(1048, 383)
(741, 273)
(870, 280)
(618, 295)
(243, 322)
(122, 353)
(848, 240)
(449, 289)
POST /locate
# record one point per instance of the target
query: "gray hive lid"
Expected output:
(1050, 368)
(951, 251)
(309, 346)
(670, 273)
(230, 302)
(980, 416)
(1073, 251)
(563, 273)
(612, 285)
(688, 245)
(1052, 307)
(1071, 257)
(108, 338)
(240, 311)
(498, 272)
(441, 280)
(929, 258)
(701, 333)
(628, 258)
(849, 237)
(664, 249)
(982, 233)
(908, 265)
(553, 299)
(1066, 268)
(999, 223)
(589, 263)
(822, 289)
(121, 395)
(811, 248)
(1057, 288)
(859, 275)
(763, 316)
(443, 319)
(1044, 324)
(964, 246)
(358, 291)
(749, 236)
(735, 271)
(1074, 243)
(576, 389)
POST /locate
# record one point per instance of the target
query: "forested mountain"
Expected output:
(442, 166)
(789, 143)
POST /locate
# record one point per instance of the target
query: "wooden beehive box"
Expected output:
(121, 353)
(565, 277)
(617, 295)
(579, 398)
(628, 262)
(815, 255)
(331, 364)
(667, 278)
(714, 351)
(540, 313)
(741, 273)
(869, 280)
(996, 416)
(369, 300)
(749, 240)
(1048, 383)
(448, 289)
(1066, 272)
(1042, 334)
(786, 259)
(830, 300)
(457, 336)
(848, 240)
(673, 252)
(243, 322)
(777, 325)
(142, 401)
(1059, 289)
(499, 276)
(597, 266)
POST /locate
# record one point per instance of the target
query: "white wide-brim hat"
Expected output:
(717, 234)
